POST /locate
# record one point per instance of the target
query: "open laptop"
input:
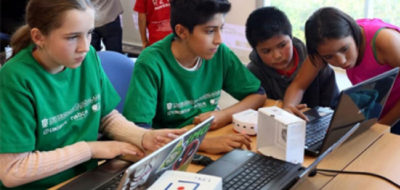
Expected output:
(176, 155)
(242, 169)
(360, 103)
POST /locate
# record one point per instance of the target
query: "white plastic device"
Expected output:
(245, 122)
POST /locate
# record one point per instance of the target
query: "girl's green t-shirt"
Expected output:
(42, 112)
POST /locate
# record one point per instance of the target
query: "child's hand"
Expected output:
(112, 149)
(154, 139)
(220, 119)
(297, 110)
(225, 143)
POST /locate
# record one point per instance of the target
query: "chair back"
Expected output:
(118, 68)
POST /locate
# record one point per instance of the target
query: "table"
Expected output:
(338, 159)
(351, 152)
(382, 157)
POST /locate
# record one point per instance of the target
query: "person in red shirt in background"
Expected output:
(153, 16)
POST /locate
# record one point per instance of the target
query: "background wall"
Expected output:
(234, 29)
(130, 34)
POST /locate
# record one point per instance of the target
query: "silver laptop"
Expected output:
(176, 155)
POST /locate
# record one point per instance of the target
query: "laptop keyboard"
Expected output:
(256, 173)
(316, 131)
(113, 183)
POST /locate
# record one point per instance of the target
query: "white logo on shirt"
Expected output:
(186, 106)
(169, 106)
(78, 111)
(45, 123)
(96, 107)
(212, 101)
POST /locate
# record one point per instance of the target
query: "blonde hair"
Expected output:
(46, 15)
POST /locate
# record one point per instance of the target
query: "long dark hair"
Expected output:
(329, 23)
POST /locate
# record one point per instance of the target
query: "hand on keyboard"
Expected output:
(225, 143)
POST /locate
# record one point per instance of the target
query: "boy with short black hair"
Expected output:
(178, 80)
(277, 57)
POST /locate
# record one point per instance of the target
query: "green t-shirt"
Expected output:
(165, 95)
(42, 112)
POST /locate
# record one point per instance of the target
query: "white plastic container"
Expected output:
(281, 134)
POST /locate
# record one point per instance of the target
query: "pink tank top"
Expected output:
(369, 67)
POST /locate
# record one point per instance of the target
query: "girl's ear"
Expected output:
(37, 37)
(181, 31)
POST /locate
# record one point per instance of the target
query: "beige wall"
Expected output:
(130, 34)
(234, 30)
(240, 11)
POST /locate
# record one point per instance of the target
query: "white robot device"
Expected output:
(245, 122)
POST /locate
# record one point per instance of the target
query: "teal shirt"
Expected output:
(42, 112)
(165, 95)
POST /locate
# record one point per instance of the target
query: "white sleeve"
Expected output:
(21, 168)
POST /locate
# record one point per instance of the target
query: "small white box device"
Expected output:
(281, 134)
(174, 179)
(245, 122)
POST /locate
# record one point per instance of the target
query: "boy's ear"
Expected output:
(37, 37)
(181, 31)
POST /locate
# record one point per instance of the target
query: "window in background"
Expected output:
(298, 12)
(386, 10)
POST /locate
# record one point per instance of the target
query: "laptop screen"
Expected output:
(370, 96)
(360, 103)
(176, 155)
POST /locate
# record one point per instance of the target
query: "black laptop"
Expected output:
(360, 103)
(242, 169)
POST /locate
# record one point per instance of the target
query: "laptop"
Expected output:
(360, 103)
(242, 169)
(117, 174)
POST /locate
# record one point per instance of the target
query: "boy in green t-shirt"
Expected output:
(178, 80)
